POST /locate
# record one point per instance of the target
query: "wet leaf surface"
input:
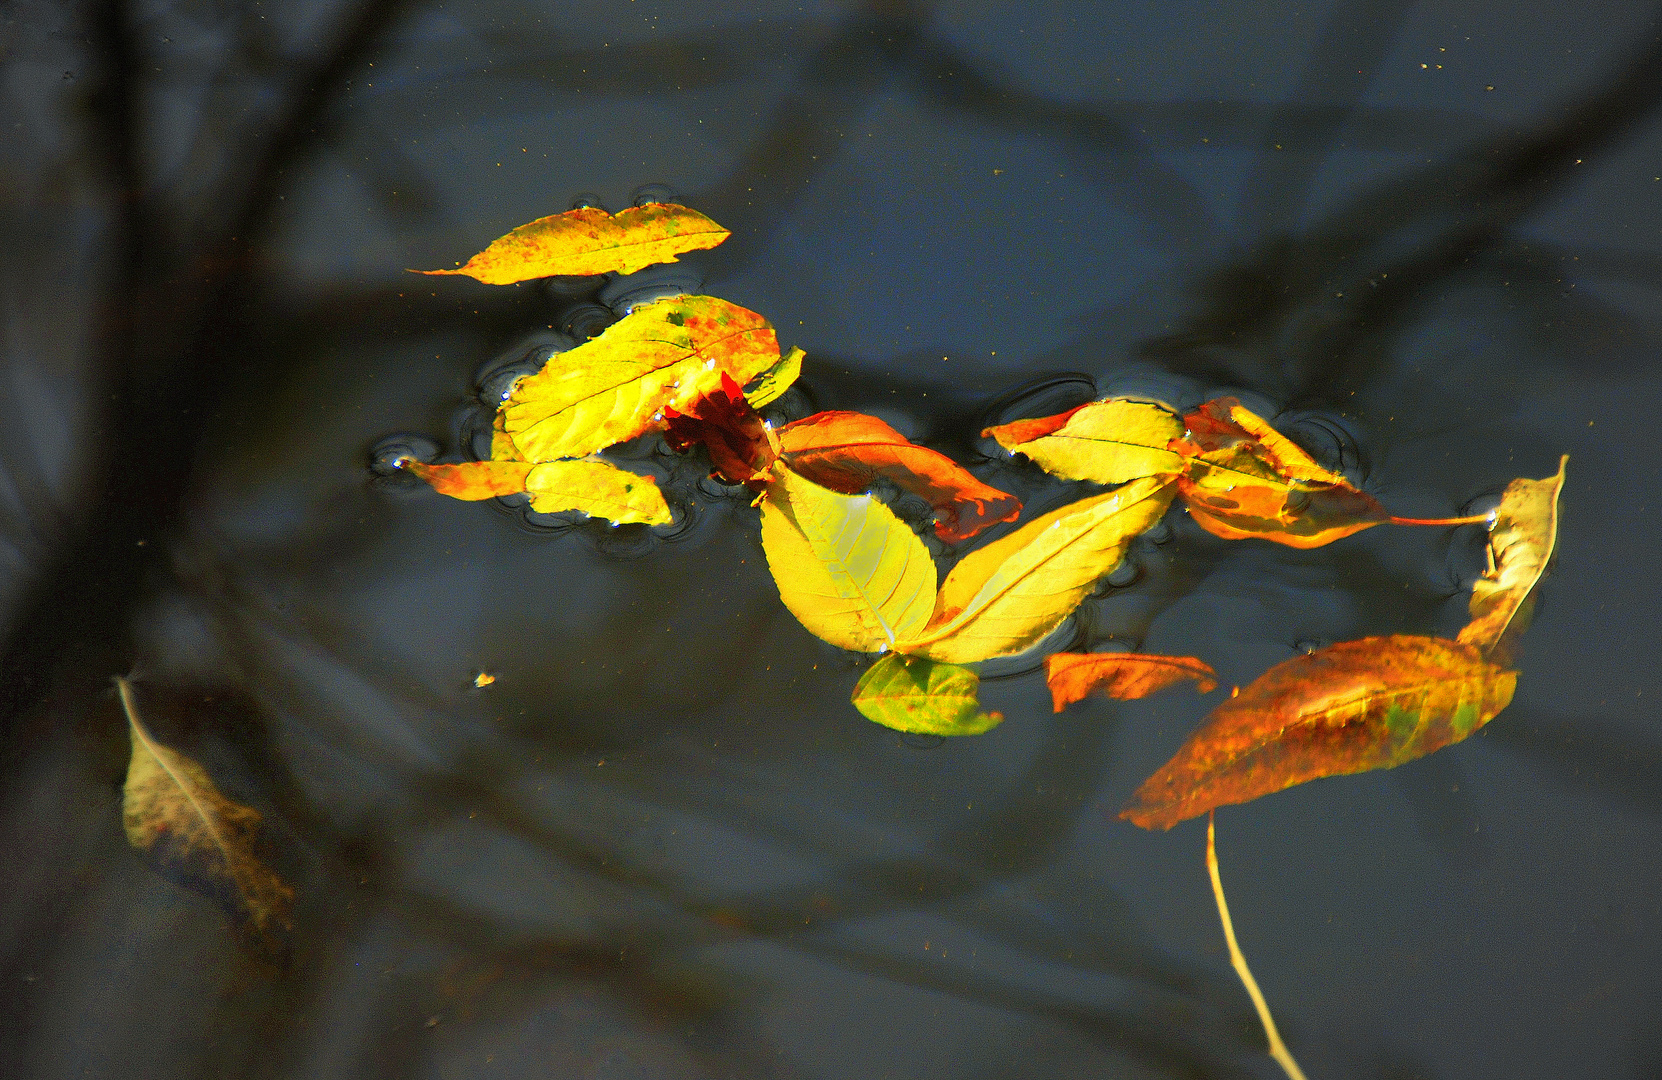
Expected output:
(598, 489)
(922, 697)
(473, 480)
(615, 386)
(172, 811)
(1003, 598)
(770, 384)
(847, 568)
(1521, 544)
(1351, 707)
(1122, 676)
(1108, 442)
(847, 451)
(588, 241)
(740, 446)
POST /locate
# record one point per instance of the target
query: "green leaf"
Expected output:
(913, 694)
(852, 572)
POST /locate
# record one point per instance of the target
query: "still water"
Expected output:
(662, 844)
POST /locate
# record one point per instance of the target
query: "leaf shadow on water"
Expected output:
(422, 759)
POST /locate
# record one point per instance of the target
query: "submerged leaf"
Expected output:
(1003, 598)
(846, 451)
(1109, 442)
(1246, 480)
(473, 480)
(1348, 708)
(770, 384)
(852, 572)
(1122, 676)
(912, 694)
(614, 386)
(588, 241)
(171, 809)
(597, 489)
(1521, 542)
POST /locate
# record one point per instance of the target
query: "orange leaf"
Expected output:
(846, 451)
(1122, 676)
(1246, 480)
(588, 240)
(474, 480)
(1348, 708)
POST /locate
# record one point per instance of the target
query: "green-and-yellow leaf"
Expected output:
(588, 240)
(912, 694)
(1521, 542)
(852, 572)
(1109, 442)
(776, 379)
(613, 387)
(598, 489)
(172, 810)
(1003, 598)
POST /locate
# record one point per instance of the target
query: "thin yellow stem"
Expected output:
(1278, 1049)
(1472, 519)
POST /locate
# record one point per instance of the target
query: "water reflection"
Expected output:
(662, 843)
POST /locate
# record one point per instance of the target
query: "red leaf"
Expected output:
(1122, 676)
(740, 445)
(1348, 708)
(846, 451)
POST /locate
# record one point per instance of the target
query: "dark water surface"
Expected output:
(1426, 238)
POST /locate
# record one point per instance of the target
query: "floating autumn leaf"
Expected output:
(502, 444)
(598, 489)
(172, 810)
(912, 694)
(1521, 543)
(1003, 598)
(1122, 676)
(588, 240)
(615, 386)
(846, 451)
(1246, 480)
(770, 384)
(473, 480)
(1108, 442)
(1348, 708)
(741, 447)
(852, 572)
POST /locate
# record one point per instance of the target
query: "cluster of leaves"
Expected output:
(697, 368)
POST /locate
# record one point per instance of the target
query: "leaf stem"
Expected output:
(1278, 1049)
(1474, 519)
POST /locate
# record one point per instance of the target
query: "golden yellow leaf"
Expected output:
(852, 572)
(1003, 598)
(1521, 542)
(776, 379)
(615, 386)
(598, 489)
(1109, 442)
(588, 240)
(171, 809)
(473, 480)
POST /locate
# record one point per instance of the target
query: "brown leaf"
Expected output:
(846, 451)
(741, 447)
(172, 810)
(1348, 708)
(588, 241)
(1521, 543)
(1122, 676)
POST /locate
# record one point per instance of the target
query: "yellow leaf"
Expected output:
(615, 386)
(776, 379)
(502, 444)
(598, 490)
(590, 241)
(1003, 598)
(172, 810)
(1521, 542)
(852, 572)
(1109, 442)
